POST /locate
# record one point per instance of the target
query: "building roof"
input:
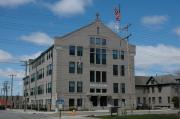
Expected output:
(164, 79)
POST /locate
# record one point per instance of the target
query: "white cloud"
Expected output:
(177, 31)
(69, 7)
(12, 3)
(32, 56)
(7, 71)
(155, 20)
(161, 56)
(4, 56)
(38, 38)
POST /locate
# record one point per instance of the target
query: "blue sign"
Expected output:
(60, 101)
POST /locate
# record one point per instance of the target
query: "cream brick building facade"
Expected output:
(90, 68)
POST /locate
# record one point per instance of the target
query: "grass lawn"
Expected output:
(142, 117)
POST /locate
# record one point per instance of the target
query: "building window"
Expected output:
(104, 76)
(152, 89)
(79, 67)
(169, 100)
(71, 67)
(160, 100)
(49, 70)
(32, 92)
(48, 87)
(122, 70)
(40, 89)
(103, 51)
(92, 40)
(98, 56)
(71, 86)
(149, 100)
(144, 100)
(79, 87)
(40, 74)
(33, 77)
(115, 54)
(72, 50)
(71, 102)
(116, 102)
(115, 87)
(97, 30)
(92, 55)
(104, 90)
(98, 76)
(153, 100)
(92, 90)
(79, 51)
(123, 102)
(159, 89)
(92, 76)
(123, 89)
(104, 42)
(122, 55)
(98, 90)
(139, 100)
(115, 70)
(98, 41)
(79, 102)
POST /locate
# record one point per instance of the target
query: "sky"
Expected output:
(27, 28)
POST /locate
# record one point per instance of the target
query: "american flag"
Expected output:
(117, 14)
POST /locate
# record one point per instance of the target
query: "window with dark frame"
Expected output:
(79, 86)
(71, 67)
(98, 76)
(115, 70)
(115, 87)
(71, 86)
(72, 50)
(104, 76)
(79, 51)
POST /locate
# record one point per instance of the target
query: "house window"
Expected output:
(116, 102)
(122, 70)
(79, 51)
(153, 100)
(71, 86)
(92, 55)
(71, 102)
(79, 102)
(71, 67)
(159, 89)
(139, 100)
(123, 90)
(92, 76)
(115, 87)
(104, 76)
(115, 54)
(98, 76)
(169, 100)
(40, 89)
(79, 87)
(115, 70)
(92, 40)
(79, 67)
(72, 50)
(152, 89)
(98, 56)
(160, 100)
(122, 55)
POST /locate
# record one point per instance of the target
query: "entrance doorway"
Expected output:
(103, 101)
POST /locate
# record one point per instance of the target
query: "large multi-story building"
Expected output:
(90, 68)
(157, 92)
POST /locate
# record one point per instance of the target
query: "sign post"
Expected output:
(60, 104)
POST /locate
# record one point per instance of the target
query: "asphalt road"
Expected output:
(15, 115)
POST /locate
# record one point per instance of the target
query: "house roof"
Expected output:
(164, 79)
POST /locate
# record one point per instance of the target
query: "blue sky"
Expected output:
(27, 28)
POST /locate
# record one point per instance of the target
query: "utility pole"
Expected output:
(12, 78)
(25, 63)
(5, 86)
